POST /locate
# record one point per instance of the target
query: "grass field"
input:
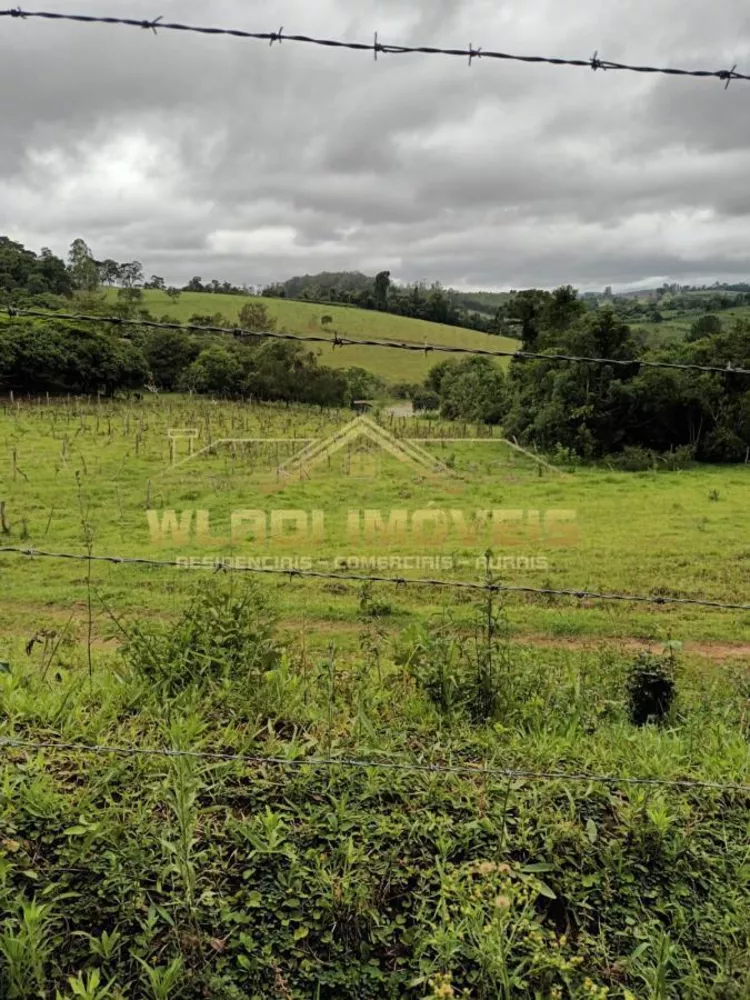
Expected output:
(301, 317)
(676, 325)
(188, 877)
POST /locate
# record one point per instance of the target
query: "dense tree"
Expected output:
(706, 326)
(131, 274)
(265, 370)
(23, 272)
(472, 389)
(109, 271)
(255, 316)
(169, 353)
(527, 308)
(363, 384)
(60, 357)
(216, 370)
(599, 410)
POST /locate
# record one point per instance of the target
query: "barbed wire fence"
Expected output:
(413, 346)
(377, 47)
(478, 769)
(488, 587)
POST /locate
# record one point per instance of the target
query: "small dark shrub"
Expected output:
(634, 459)
(681, 458)
(651, 689)
(426, 399)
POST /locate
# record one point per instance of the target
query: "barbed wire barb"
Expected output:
(153, 24)
(730, 76)
(376, 47)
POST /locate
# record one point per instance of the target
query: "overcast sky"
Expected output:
(226, 158)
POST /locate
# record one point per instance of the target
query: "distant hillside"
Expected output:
(481, 302)
(342, 281)
(309, 285)
(359, 324)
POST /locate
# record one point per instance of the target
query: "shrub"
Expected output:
(651, 689)
(426, 399)
(226, 632)
(680, 458)
(634, 459)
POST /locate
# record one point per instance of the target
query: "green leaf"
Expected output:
(301, 932)
(640, 950)
(591, 831)
(540, 866)
(544, 890)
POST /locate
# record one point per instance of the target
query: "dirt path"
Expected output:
(28, 618)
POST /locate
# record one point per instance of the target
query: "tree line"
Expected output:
(64, 356)
(632, 415)
(416, 301)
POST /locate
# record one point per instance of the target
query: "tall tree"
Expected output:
(131, 274)
(83, 268)
(109, 271)
(382, 284)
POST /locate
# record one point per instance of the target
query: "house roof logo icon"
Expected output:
(361, 429)
(358, 434)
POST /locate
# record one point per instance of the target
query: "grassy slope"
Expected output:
(299, 317)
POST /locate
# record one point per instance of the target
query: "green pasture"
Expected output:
(306, 318)
(109, 473)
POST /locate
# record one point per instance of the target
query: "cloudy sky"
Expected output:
(226, 158)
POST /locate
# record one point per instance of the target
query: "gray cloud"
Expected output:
(228, 158)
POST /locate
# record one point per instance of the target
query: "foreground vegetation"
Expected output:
(186, 876)
(289, 845)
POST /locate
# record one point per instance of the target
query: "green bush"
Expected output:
(633, 459)
(227, 632)
(651, 689)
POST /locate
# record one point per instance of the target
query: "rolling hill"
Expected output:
(304, 317)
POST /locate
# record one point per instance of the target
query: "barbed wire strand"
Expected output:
(377, 47)
(487, 587)
(414, 346)
(475, 770)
